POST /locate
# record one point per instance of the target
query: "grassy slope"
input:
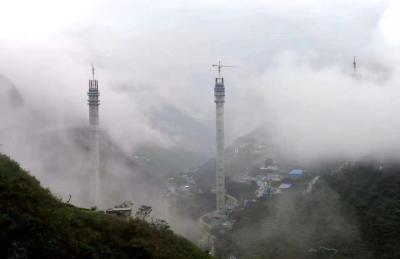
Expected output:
(34, 224)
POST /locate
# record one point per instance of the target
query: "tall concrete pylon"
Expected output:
(93, 101)
(219, 93)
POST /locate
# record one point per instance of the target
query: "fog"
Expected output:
(297, 226)
(153, 54)
(295, 77)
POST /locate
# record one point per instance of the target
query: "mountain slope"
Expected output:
(34, 224)
(315, 225)
(373, 191)
(9, 95)
(185, 130)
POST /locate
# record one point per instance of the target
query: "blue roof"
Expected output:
(296, 172)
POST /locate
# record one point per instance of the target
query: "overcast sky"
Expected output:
(154, 53)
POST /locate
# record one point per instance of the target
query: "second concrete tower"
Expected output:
(219, 92)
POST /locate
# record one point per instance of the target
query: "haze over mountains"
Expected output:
(295, 99)
(59, 157)
(288, 76)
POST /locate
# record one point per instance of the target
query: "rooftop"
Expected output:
(285, 186)
(296, 172)
(119, 209)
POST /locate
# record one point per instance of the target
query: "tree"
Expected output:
(268, 162)
(160, 224)
(143, 212)
(125, 204)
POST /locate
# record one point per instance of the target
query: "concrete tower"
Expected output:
(219, 93)
(93, 101)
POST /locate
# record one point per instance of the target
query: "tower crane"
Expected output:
(219, 66)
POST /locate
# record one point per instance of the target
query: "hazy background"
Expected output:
(153, 60)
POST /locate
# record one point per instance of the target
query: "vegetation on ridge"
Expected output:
(34, 224)
(374, 194)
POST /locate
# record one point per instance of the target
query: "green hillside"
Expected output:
(374, 194)
(315, 225)
(35, 224)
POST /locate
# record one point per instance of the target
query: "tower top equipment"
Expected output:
(219, 66)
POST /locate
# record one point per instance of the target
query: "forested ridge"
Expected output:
(374, 193)
(35, 224)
